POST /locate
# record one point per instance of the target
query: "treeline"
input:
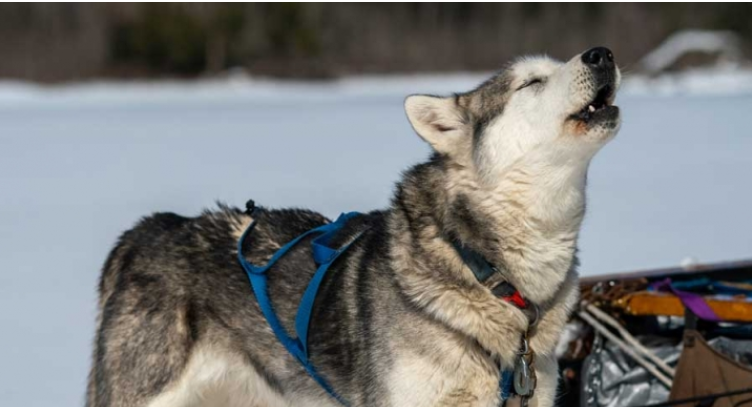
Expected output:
(59, 42)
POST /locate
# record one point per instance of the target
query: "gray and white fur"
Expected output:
(400, 319)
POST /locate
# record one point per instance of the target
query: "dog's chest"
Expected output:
(442, 370)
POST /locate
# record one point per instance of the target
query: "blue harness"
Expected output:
(324, 256)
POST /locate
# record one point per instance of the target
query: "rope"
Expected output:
(630, 338)
(629, 351)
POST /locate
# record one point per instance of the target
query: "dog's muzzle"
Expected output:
(600, 61)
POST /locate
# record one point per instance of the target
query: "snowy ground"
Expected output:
(80, 164)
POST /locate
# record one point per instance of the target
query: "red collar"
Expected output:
(516, 299)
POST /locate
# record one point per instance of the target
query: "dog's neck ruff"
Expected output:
(324, 256)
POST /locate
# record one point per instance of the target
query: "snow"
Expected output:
(725, 43)
(724, 80)
(234, 88)
(79, 164)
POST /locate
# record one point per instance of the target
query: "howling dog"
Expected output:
(402, 317)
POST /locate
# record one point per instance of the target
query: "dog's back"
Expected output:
(173, 285)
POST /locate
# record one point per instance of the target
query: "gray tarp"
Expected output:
(611, 379)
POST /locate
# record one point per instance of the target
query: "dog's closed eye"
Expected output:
(530, 82)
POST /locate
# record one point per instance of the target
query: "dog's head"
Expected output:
(537, 109)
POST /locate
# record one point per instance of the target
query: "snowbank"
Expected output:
(722, 48)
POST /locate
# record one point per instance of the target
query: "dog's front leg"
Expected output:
(547, 372)
(545, 338)
(465, 400)
(473, 394)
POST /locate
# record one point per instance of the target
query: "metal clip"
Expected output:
(524, 373)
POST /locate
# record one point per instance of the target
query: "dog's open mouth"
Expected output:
(600, 106)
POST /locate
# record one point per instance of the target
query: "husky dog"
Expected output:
(400, 319)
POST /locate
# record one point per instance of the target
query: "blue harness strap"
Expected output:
(506, 384)
(324, 256)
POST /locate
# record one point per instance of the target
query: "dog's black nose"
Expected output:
(598, 57)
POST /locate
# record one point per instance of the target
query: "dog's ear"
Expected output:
(439, 121)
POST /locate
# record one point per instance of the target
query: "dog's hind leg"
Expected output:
(154, 360)
(142, 347)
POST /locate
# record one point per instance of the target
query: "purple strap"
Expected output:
(695, 302)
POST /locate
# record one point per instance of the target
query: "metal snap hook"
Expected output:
(525, 380)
